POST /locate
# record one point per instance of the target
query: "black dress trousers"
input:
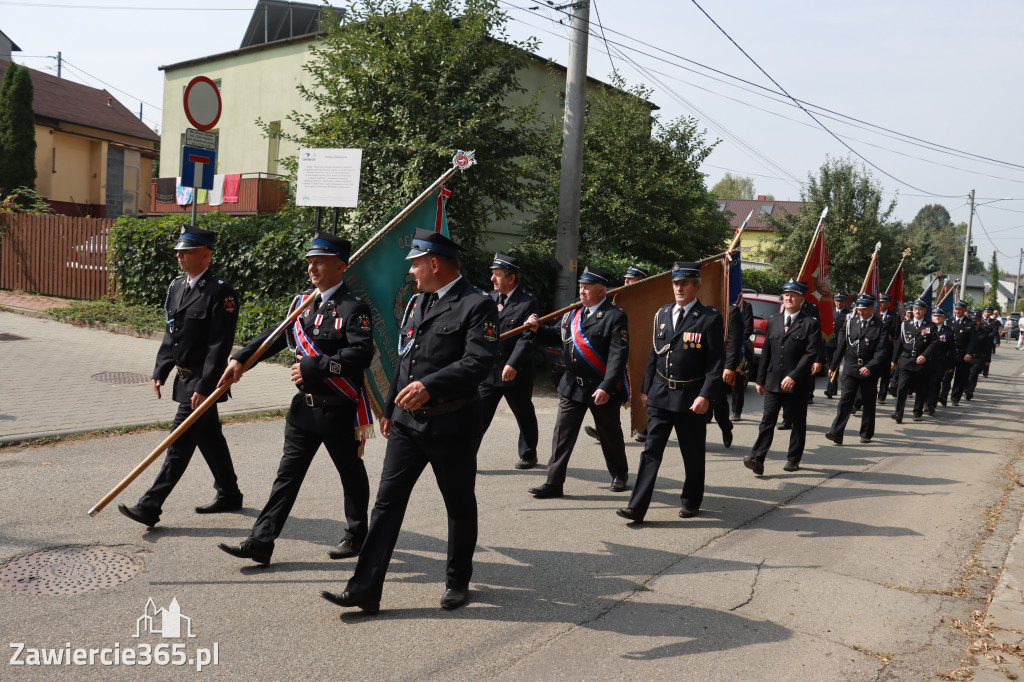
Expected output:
(453, 461)
(304, 430)
(567, 430)
(518, 393)
(794, 405)
(691, 432)
(864, 391)
(206, 434)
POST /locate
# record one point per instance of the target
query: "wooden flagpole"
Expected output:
(611, 292)
(810, 247)
(460, 162)
(867, 276)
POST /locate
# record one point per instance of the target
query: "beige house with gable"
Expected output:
(260, 79)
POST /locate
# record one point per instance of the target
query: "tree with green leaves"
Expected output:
(945, 242)
(411, 82)
(17, 131)
(858, 218)
(992, 298)
(643, 195)
(734, 187)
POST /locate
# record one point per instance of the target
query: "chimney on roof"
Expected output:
(762, 197)
(109, 101)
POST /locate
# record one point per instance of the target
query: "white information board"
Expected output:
(328, 177)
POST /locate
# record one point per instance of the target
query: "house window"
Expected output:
(766, 209)
(273, 147)
(721, 205)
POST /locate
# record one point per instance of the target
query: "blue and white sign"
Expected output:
(197, 167)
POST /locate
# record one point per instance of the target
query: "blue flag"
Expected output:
(381, 278)
(927, 298)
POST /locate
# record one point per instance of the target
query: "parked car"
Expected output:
(764, 305)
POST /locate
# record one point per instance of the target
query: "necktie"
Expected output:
(586, 313)
(431, 299)
(789, 320)
(315, 305)
(501, 300)
(677, 317)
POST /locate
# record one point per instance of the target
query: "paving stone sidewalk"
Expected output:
(52, 376)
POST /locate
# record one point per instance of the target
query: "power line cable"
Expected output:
(985, 230)
(794, 102)
(608, 50)
(813, 118)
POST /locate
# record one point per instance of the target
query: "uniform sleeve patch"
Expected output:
(335, 368)
(624, 334)
(229, 304)
(363, 321)
(490, 331)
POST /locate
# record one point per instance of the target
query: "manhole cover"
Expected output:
(4, 336)
(70, 570)
(121, 378)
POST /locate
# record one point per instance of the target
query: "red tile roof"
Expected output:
(62, 100)
(741, 207)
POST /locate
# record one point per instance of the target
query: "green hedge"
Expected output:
(262, 256)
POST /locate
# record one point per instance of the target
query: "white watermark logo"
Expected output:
(168, 623)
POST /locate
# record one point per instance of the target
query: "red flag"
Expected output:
(896, 291)
(819, 284)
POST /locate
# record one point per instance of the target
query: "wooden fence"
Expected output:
(55, 255)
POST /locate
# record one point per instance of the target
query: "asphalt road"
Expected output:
(858, 566)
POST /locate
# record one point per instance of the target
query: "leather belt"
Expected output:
(314, 400)
(912, 354)
(444, 408)
(185, 372)
(860, 361)
(678, 383)
(580, 381)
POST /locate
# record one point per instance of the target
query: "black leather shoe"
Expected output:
(592, 432)
(641, 437)
(546, 490)
(453, 598)
(687, 513)
(631, 514)
(139, 514)
(791, 466)
(346, 548)
(785, 426)
(829, 395)
(753, 465)
(727, 438)
(220, 505)
(526, 463)
(968, 397)
(918, 417)
(865, 440)
(881, 401)
(349, 600)
(735, 416)
(931, 411)
(835, 438)
(942, 401)
(956, 403)
(245, 551)
(897, 418)
(618, 484)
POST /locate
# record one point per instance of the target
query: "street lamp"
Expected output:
(967, 242)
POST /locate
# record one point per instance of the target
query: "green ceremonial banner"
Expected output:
(381, 278)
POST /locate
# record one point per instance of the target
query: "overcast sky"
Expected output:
(947, 73)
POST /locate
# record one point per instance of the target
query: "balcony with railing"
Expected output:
(257, 193)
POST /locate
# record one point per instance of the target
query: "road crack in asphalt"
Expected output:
(753, 587)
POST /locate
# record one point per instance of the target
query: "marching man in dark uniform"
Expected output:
(807, 309)
(734, 352)
(431, 417)
(634, 273)
(864, 347)
(913, 348)
(982, 355)
(202, 311)
(991, 325)
(595, 348)
(682, 380)
(791, 346)
(839, 315)
(941, 364)
(965, 347)
(512, 375)
(333, 344)
(748, 365)
(891, 322)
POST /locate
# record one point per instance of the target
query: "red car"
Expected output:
(764, 305)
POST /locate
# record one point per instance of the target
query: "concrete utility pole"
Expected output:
(568, 235)
(967, 251)
(1016, 287)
